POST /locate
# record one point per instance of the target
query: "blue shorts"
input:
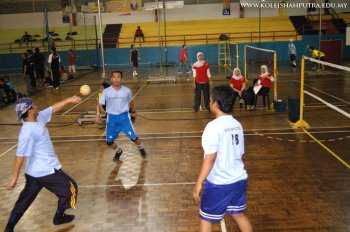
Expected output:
(220, 199)
(119, 123)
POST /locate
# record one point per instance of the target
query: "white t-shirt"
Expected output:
(34, 143)
(224, 136)
(116, 101)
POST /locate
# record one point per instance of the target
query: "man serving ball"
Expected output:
(117, 100)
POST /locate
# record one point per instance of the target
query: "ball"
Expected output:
(85, 90)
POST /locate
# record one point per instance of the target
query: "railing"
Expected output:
(91, 44)
(65, 45)
(210, 38)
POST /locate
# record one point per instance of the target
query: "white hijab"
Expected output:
(199, 63)
(265, 73)
(239, 75)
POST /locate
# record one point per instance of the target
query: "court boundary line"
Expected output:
(328, 149)
(8, 150)
(194, 132)
(64, 113)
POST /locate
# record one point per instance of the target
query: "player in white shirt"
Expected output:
(223, 173)
(118, 100)
(43, 169)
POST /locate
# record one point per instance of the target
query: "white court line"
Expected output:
(80, 103)
(328, 104)
(179, 137)
(139, 91)
(223, 225)
(4, 153)
(327, 94)
(140, 185)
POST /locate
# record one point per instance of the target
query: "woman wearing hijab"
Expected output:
(237, 83)
(201, 81)
(261, 85)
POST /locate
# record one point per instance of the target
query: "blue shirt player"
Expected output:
(118, 100)
(222, 171)
(42, 169)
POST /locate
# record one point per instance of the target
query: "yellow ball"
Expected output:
(85, 90)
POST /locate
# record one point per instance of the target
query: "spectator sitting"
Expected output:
(63, 75)
(261, 85)
(69, 37)
(237, 83)
(9, 94)
(26, 37)
(139, 33)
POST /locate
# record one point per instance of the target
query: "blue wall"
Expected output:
(115, 57)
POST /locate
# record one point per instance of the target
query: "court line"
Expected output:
(4, 153)
(170, 137)
(327, 149)
(80, 103)
(145, 184)
(156, 137)
(328, 104)
(139, 90)
(327, 94)
(139, 185)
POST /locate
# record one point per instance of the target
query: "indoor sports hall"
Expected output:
(297, 138)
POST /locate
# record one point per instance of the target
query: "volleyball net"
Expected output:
(255, 57)
(233, 55)
(323, 90)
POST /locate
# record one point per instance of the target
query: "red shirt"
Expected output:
(71, 59)
(265, 82)
(183, 55)
(237, 84)
(201, 73)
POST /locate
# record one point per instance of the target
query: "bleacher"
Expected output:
(9, 36)
(345, 17)
(208, 31)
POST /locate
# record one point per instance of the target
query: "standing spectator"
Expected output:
(139, 33)
(292, 52)
(201, 81)
(31, 69)
(134, 59)
(71, 65)
(223, 172)
(39, 61)
(54, 61)
(42, 168)
(183, 61)
(26, 74)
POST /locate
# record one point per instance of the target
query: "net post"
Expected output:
(301, 123)
(245, 61)
(237, 56)
(275, 75)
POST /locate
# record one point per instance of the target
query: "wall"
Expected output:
(120, 56)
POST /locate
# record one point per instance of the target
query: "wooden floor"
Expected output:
(294, 183)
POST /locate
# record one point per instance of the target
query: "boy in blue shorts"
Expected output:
(223, 173)
(42, 167)
(118, 100)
